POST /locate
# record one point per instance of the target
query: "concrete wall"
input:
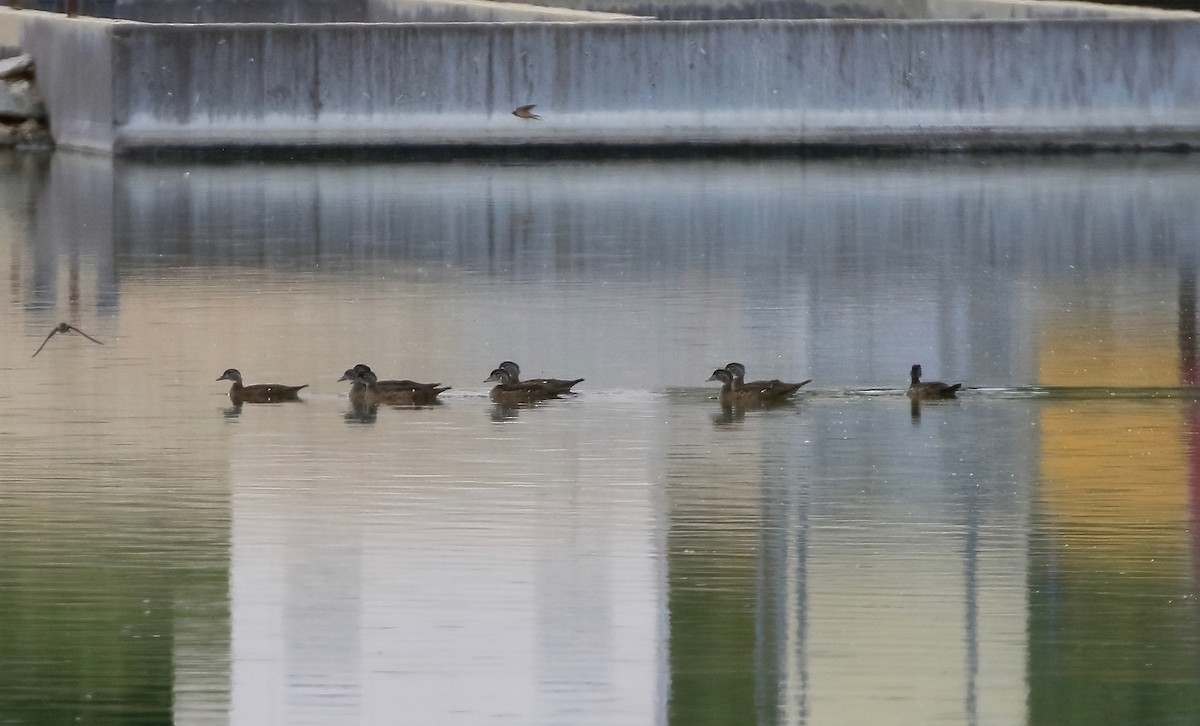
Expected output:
(653, 83)
(239, 11)
(73, 60)
(939, 84)
(862, 9)
(482, 11)
(333, 11)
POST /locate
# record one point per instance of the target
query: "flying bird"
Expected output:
(63, 328)
(526, 112)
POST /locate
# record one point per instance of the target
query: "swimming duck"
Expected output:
(260, 392)
(402, 384)
(930, 389)
(510, 390)
(775, 387)
(358, 387)
(558, 385)
(751, 395)
(365, 389)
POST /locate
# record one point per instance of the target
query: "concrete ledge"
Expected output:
(338, 11)
(121, 87)
(868, 9)
(484, 11)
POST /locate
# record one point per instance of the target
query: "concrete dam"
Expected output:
(131, 77)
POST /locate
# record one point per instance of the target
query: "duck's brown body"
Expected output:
(406, 396)
(929, 389)
(510, 391)
(772, 390)
(259, 392)
(366, 389)
(558, 385)
(752, 394)
(391, 385)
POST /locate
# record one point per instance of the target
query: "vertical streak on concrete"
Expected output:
(73, 57)
(923, 83)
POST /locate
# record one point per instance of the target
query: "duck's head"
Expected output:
(722, 375)
(499, 375)
(349, 375)
(362, 368)
(737, 370)
(511, 368)
(916, 371)
(231, 374)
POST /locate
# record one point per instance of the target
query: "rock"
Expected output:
(28, 134)
(20, 99)
(20, 66)
(33, 133)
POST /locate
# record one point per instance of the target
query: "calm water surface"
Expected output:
(636, 554)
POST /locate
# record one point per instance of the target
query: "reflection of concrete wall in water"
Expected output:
(484, 571)
(75, 236)
(852, 254)
(873, 267)
(778, 617)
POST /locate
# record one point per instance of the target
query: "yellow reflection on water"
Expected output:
(1114, 474)
(1112, 470)
(1108, 332)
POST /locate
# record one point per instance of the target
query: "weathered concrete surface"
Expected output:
(120, 86)
(481, 11)
(74, 61)
(733, 82)
(864, 9)
(339, 11)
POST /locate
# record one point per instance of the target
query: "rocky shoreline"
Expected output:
(22, 113)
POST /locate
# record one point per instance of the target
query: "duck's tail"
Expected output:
(790, 388)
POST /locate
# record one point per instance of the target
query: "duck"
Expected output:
(773, 387)
(403, 383)
(509, 390)
(751, 394)
(929, 389)
(559, 385)
(367, 389)
(260, 392)
(358, 387)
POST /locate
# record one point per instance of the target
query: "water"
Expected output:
(635, 554)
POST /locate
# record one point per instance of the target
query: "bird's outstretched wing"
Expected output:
(63, 328)
(43, 345)
(77, 330)
(526, 112)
